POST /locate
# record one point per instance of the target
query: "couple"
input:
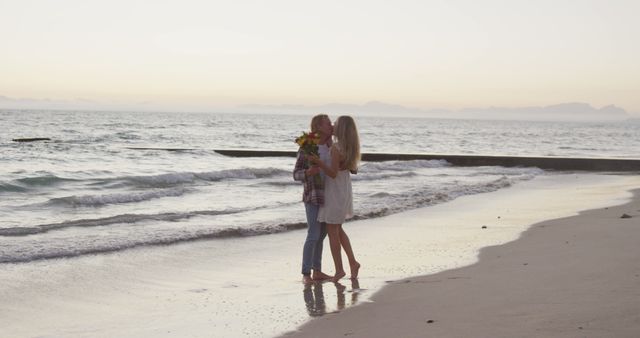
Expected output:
(328, 205)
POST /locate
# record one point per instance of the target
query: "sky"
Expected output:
(195, 55)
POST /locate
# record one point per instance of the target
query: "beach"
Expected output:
(577, 276)
(151, 164)
(251, 287)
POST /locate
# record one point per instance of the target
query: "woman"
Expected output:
(338, 203)
(313, 198)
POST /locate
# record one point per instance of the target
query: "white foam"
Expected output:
(365, 176)
(100, 200)
(402, 165)
(218, 175)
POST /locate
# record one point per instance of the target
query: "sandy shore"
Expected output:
(570, 277)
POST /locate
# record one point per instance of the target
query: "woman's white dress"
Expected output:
(338, 199)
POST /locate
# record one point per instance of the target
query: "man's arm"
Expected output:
(299, 169)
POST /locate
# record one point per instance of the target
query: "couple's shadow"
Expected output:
(314, 297)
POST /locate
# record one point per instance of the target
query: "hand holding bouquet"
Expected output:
(308, 143)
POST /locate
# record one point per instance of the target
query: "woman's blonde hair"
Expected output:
(348, 142)
(316, 120)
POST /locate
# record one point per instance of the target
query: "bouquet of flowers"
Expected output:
(308, 142)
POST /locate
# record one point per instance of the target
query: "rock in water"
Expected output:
(625, 216)
(32, 139)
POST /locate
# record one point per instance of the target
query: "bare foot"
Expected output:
(355, 284)
(338, 276)
(354, 270)
(319, 275)
(307, 279)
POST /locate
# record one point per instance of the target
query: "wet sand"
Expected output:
(571, 277)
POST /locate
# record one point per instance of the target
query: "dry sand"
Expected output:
(571, 277)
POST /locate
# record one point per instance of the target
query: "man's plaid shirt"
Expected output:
(311, 193)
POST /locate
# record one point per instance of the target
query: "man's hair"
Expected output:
(316, 120)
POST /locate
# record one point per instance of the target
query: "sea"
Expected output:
(113, 181)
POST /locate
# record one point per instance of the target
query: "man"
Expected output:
(313, 197)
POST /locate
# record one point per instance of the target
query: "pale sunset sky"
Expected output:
(422, 54)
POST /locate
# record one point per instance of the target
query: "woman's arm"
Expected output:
(331, 171)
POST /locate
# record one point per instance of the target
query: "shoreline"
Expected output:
(565, 277)
(252, 286)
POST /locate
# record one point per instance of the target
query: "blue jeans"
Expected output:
(316, 232)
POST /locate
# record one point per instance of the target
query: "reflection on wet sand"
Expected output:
(313, 295)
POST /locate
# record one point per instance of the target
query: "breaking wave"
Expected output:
(120, 198)
(377, 205)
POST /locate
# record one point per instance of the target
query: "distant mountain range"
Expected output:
(575, 111)
(563, 111)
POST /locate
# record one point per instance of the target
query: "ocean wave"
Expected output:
(8, 187)
(119, 219)
(402, 165)
(506, 171)
(100, 200)
(170, 179)
(159, 180)
(281, 183)
(380, 194)
(365, 176)
(361, 176)
(42, 180)
(386, 203)
(375, 205)
(38, 252)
